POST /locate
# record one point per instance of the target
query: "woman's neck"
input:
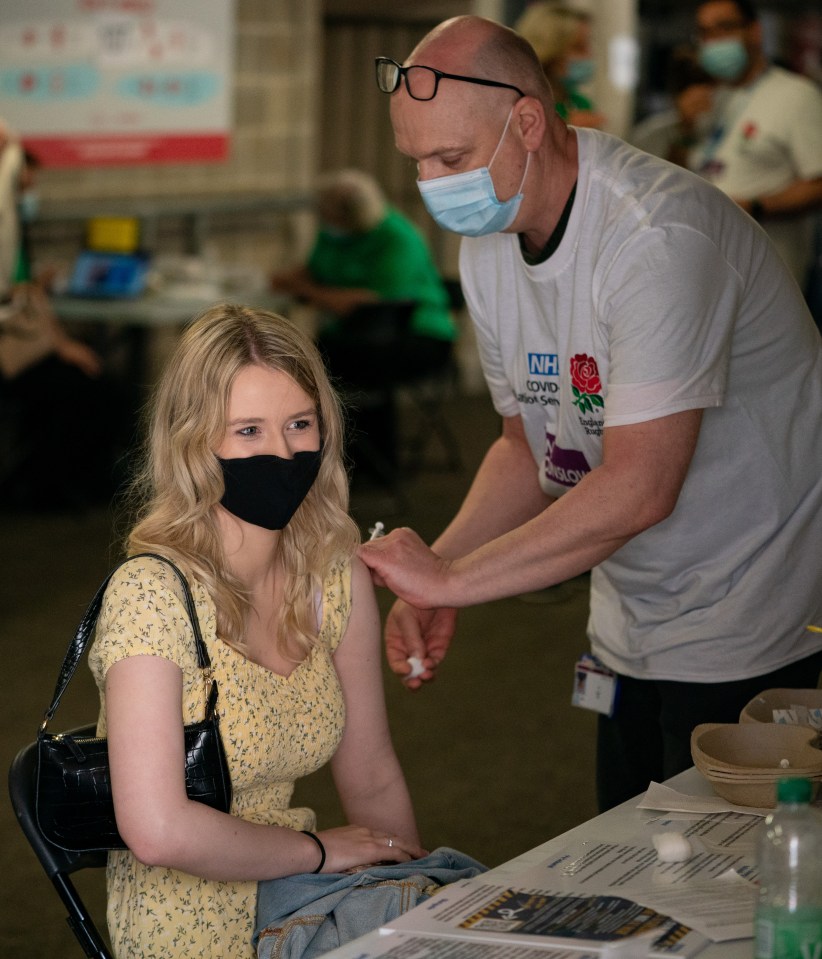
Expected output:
(252, 552)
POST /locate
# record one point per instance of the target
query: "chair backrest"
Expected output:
(456, 298)
(57, 863)
(381, 323)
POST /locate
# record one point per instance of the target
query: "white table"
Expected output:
(158, 309)
(145, 322)
(618, 824)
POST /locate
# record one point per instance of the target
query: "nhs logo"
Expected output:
(543, 364)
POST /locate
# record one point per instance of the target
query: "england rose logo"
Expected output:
(585, 383)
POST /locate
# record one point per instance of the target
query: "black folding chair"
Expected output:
(57, 863)
(371, 330)
(431, 393)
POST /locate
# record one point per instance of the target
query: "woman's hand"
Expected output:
(350, 846)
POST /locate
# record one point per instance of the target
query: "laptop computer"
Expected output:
(98, 275)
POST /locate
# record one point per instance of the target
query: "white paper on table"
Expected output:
(713, 832)
(543, 917)
(669, 800)
(719, 832)
(721, 908)
(404, 945)
(631, 868)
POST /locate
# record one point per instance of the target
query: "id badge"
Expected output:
(595, 686)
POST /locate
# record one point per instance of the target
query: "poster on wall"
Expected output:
(115, 82)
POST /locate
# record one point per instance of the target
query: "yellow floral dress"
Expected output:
(275, 729)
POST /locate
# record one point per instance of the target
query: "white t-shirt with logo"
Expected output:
(662, 297)
(763, 137)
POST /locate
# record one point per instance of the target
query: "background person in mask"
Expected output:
(561, 37)
(758, 135)
(659, 380)
(243, 488)
(366, 251)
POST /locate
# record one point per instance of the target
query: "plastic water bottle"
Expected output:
(789, 913)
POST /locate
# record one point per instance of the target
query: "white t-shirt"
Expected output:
(663, 296)
(763, 137)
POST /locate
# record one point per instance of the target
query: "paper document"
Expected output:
(477, 910)
(403, 945)
(719, 910)
(663, 797)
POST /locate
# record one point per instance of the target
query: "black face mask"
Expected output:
(267, 490)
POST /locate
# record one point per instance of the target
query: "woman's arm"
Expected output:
(366, 770)
(163, 827)
(156, 819)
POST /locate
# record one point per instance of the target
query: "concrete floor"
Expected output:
(496, 757)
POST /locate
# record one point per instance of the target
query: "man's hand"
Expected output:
(402, 562)
(692, 102)
(422, 633)
(416, 626)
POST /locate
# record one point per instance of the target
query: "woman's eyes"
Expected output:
(301, 425)
(295, 426)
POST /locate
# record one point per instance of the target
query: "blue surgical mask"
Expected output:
(28, 205)
(579, 71)
(724, 59)
(466, 203)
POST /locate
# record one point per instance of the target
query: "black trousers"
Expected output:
(649, 736)
(71, 435)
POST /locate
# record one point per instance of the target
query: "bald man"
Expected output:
(659, 380)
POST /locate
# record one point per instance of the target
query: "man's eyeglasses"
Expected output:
(422, 82)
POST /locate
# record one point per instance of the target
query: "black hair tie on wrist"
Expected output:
(316, 839)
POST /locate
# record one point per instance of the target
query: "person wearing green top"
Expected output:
(366, 252)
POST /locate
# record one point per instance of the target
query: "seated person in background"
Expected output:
(46, 375)
(561, 37)
(291, 625)
(367, 251)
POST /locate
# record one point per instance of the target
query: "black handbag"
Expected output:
(74, 807)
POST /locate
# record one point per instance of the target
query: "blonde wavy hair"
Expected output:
(180, 483)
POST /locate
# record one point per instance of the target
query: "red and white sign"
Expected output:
(103, 82)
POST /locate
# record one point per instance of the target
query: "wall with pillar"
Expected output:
(274, 152)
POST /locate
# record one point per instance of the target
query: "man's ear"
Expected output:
(529, 122)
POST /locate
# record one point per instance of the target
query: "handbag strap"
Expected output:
(86, 628)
